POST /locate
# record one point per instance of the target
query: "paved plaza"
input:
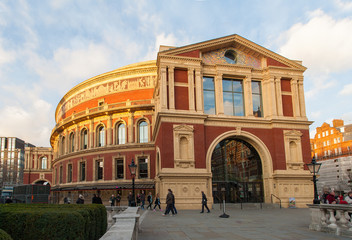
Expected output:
(266, 223)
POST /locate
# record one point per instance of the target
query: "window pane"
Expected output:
(257, 112)
(101, 137)
(208, 83)
(238, 98)
(256, 87)
(121, 134)
(228, 104)
(143, 168)
(83, 171)
(209, 102)
(227, 85)
(119, 169)
(143, 132)
(237, 86)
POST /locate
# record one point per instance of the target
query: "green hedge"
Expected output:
(52, 221)
(4, 235)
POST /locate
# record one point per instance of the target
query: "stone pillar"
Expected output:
(302, 103)
(50, 158)
(271, 94)
(130, 128)
(91, 134)
(219, 99)
(295, 98)
(191, 89)
(77, 138)
(36, 160)
(247, 96)
(109, 131)
(171, 88)
(199, 92)
(278, 96)
(163, 88)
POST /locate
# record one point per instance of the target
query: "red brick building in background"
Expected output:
(224, 116)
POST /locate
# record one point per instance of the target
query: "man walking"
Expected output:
(204, 203)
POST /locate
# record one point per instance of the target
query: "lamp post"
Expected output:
(133, 168)
(314, 168)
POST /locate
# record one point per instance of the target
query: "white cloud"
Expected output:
(6, 56)
(69, 67)
(344, 6)
(323, 43)
(347, 90)
(28, 117)
(161, 39)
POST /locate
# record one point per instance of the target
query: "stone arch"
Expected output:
(41, 180)
(116, 130)
(259, 146)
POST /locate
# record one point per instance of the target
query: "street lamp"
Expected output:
(133, 168)
(314, 168)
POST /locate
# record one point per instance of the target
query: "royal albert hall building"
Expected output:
(224, 116)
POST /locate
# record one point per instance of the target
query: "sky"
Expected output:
(48, 47)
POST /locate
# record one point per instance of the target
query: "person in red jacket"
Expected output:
(330, 198)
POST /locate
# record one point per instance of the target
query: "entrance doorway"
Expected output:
(237, 172)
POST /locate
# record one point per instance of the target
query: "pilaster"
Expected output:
(301, 98)
(199, 87)
(295, 98)
(278, 96)
(247, 96)
(109, 131)
(163, 89)
(191, 89)
(130, 127)
(91, 134)
(171, 88)
(218, 94)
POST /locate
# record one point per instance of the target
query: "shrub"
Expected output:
(4, 235)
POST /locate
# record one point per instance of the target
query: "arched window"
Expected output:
(72, 142)
(84, 139)
(63, 146)
(101, 136)
(43, 163)
(143, 132)
(121, 134)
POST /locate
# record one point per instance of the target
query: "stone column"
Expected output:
(91, 134)
(247, 96)
(130, 128)
(36, 160)
(50, 158)
(77, 138)
(191, 89)
(109, 131)
(199, 92)
(163, 88)
(219, 99)
(302, 103)
(271, 94)
(295, 98)
(278, 96)
(171, 88)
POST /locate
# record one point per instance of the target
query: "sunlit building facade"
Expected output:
(224, 116)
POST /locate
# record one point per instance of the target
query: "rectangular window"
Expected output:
(257, 99)
(99, 169)
(60, 175)
(332, 131)
(209, 95)
(323, 134)
(119, 169)
(143, 167)
(69, 173)
(233, 97)
(319, 135)
(82, 171)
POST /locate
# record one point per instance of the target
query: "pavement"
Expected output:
(245, 224)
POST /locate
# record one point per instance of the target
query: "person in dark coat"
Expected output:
(142, 199)
(96, 199)
(130, 199)
(150, 200)
(80, 199)
(118, 199)
(112, 200)
(204, 203)
(157, 202)
(170, 198)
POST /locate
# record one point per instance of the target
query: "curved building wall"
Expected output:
(101, 125)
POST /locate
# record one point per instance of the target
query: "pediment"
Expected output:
(247, 53)
(183, 127)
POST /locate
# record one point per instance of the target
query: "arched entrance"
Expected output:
(237, 172)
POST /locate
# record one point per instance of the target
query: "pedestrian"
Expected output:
(150, 200)
(169, 203)
(173, 202)
(142, 199)
(112, 200)
(157, 202)
(96, 199)
(130, 199)
(330, 198)
(138, 199)
(348, 198)
(65, 200)
(8, 200)
(80, 199)
(204, 203)
(118, 199)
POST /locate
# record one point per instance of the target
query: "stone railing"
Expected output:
(332, 218)
(123, 223)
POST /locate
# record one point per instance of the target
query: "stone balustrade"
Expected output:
(332, 218)
(123, 223)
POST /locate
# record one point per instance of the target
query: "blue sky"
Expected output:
(48, 47)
